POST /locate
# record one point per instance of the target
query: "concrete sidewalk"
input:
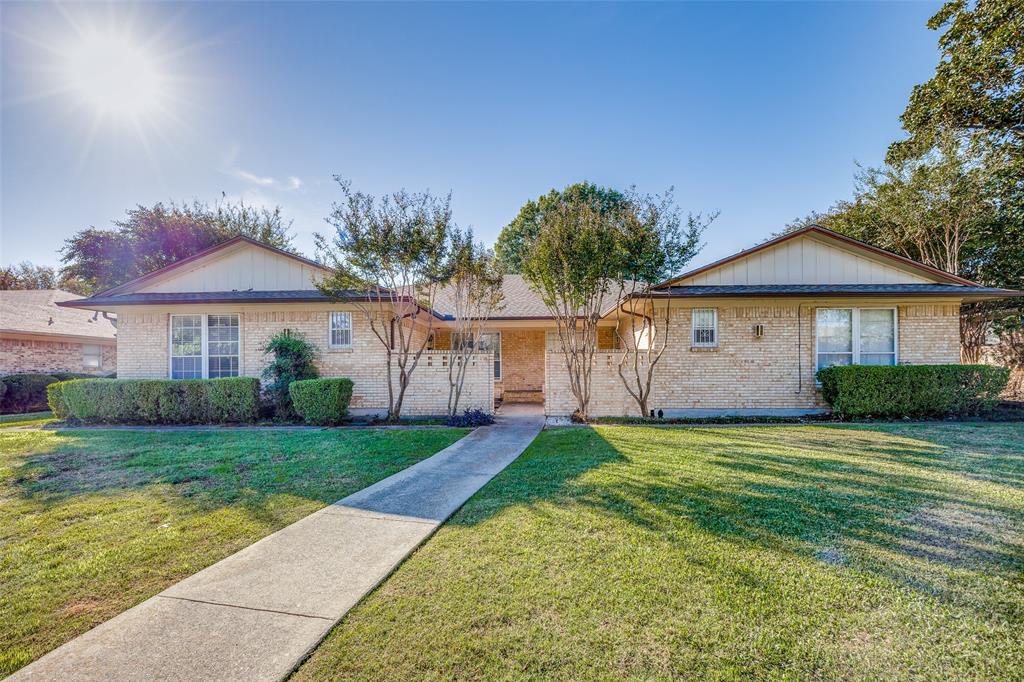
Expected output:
(257, 614)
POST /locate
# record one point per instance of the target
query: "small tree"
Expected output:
(571, 263)
(293, 361)
(389, 257)
(474, 292)
(653, 244)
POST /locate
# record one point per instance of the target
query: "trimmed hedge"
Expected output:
(321, 401)
(25, 392)
(158, 401)
(912, 391)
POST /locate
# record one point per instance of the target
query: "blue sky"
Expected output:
(757, 110)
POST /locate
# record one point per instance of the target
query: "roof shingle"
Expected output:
(35, 312)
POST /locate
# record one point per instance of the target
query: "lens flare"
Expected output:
(115, 76)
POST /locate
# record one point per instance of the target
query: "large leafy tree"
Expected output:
(149, 238)
(977, 87)
(516, 238)
(390, 257)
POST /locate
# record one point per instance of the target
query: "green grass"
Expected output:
(811, 552)
(93, 522)
(26, 419)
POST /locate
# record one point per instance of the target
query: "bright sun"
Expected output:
(112, 73)
(115, 76)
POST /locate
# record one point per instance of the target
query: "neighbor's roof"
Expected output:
(36, 312)
(758, 290)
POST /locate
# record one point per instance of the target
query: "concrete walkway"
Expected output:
(257, 614)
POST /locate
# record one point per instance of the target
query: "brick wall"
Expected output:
(744, 372)
(522, 360)
(143, 353)
(37, 355)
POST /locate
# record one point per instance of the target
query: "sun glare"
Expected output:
(114, 75)
(109, 73)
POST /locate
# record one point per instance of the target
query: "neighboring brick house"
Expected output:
(37, 335)
(747, 333)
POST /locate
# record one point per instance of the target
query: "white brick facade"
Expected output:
(770, 374)
(144, 347)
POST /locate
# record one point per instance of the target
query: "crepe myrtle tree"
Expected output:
(389, 256)
(654, 243)
(474, 292)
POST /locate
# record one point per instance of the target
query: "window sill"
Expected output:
(704, 349)
(339, 349)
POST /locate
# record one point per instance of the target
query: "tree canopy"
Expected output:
(516, 237)
(149, 238)
(977, 86)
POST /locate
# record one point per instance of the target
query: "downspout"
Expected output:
(799, 351)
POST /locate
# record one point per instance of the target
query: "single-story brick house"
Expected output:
(747, 332)
(38, 335)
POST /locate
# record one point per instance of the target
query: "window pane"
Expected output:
(830, 359)
(186, 346)
(835, 331)
(222, 336)
(341, 329)
(704, 326)
(878, 358)
(492, 343)
(877, 332)
(92, 357)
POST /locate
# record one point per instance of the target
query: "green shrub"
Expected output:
(55, 399)
(25, 392)
(293, 361)
(321, 401)
(160, 401)
(912, 390)
(235, 399)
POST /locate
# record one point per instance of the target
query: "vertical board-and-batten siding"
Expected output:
(805, 260)
(240, 269)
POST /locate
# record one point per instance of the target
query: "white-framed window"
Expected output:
(205, 346)
(92, 356)
(489, 342)
(856, 336)
(340, 330)
(223, 345)
(705, 327)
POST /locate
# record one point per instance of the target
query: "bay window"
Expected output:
(856, 336)
(205, 346)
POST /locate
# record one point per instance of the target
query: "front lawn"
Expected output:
(95, 521)
(26, 419)
(811, 552)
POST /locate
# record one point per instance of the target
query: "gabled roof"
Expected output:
(38, 311)
(817, 230)
(206, 253)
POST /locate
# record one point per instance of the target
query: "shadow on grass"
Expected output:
(211, 470)
(912, 509)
